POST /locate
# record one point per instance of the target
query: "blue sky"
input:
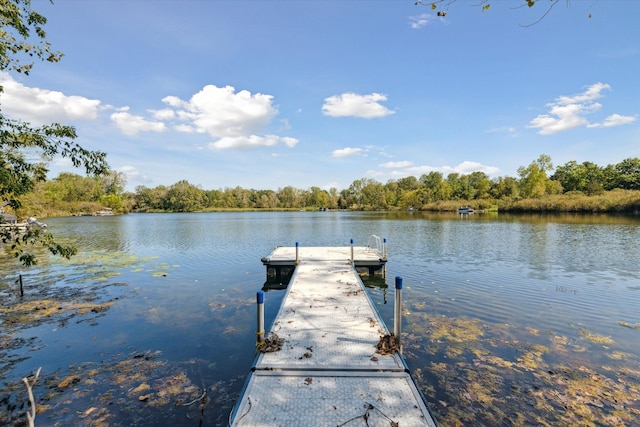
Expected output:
(265, 94)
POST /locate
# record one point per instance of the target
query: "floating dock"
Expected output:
(328, 371)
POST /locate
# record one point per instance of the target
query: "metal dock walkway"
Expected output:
(328, 372)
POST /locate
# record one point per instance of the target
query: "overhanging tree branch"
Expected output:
(25, 150)
(441, 7)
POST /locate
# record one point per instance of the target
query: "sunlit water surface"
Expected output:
(503, 314)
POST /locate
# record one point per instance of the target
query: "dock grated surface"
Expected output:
(313, 399)
(328, 372)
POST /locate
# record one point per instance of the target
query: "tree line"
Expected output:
(26, 150)
(79, 195)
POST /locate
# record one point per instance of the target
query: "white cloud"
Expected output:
(354, 105)
(346, 152)
(289, 142)
(62, 162)
(592, 93)
(173, 101)
(419, 21)
(375, 174)
(251, 141)
(131, 125)
(184, 128)
(509, 130)
(330, 185)
(467, 167)
(284, 124)
(164, 114)
(396, 165)
(402, 169)
(133, 174)
(236, 120)
(568, 112)
(41, 106)
(615, 120)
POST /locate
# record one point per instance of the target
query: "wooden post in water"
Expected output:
(21, 285)
(260, 331)
(397, 311)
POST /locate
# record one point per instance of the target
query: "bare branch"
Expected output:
(30, 382)
(485, 5)
(553, 3)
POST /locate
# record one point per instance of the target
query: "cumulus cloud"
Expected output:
(467, 167)
(346, 152)
(221, 112)
(164, 114)
(251, 141)
(236, 120)
(289, 142)
(404, 168)
(354, 105)
(615, 120)
(133, 174)
(40, 106)
(185, 128)
(569, 112)
(396, 165)
(131, 125)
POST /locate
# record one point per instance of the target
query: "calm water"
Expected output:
(510, 320)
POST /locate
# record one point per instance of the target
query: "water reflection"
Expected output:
(506, 316)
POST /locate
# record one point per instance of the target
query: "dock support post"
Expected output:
(297, 253)
(352, 261)
(384, 255)
(397, 311)
(260, 331)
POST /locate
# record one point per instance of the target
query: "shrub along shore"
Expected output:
(616, 201)
(571, 187)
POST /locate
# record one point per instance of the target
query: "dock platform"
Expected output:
(328, 371)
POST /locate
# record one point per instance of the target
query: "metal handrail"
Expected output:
(379, 249)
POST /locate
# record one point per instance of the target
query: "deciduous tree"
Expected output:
(26, 149)
(533, 178)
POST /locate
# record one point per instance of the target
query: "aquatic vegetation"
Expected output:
(46, 304)
(559, 342)
(596, 339)
(531, 360)
(98, 393)
(102, 265)
(620, 355)
(458, 335)
(35, 311)
(455, 330)
(495, 375)
(627, 325)
(532, 331)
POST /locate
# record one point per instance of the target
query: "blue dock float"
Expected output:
(336, 363)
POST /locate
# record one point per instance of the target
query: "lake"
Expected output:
(509, 320)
